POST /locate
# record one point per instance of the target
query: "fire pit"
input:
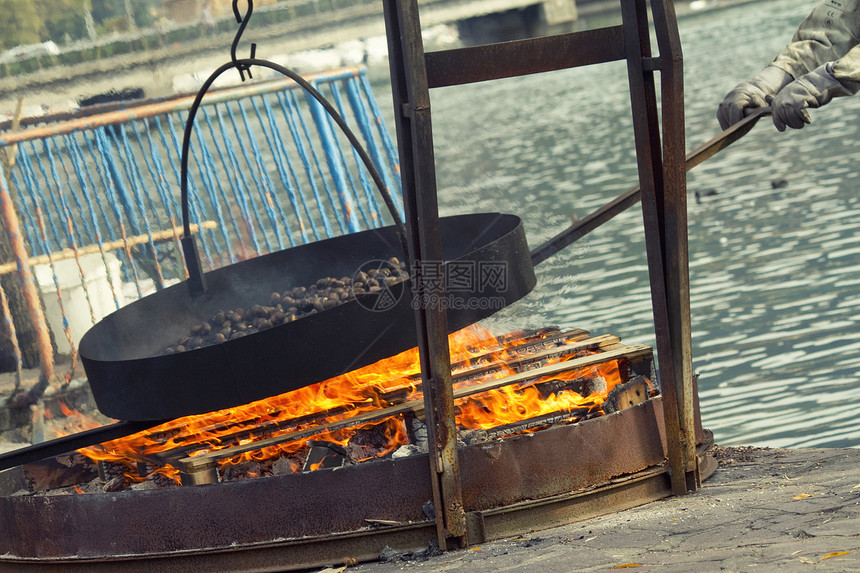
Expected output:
(518, 397)
(339, 482)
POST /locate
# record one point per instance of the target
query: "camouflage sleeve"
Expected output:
(848, 66)
(830, 33)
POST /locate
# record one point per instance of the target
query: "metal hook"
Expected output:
(242, 23)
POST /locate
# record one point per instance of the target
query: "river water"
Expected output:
(775, 272)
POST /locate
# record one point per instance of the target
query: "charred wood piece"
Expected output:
(325, 454)
(627, 395)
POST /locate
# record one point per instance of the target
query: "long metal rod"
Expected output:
(160, 107)
(626, 200)
(73, 442)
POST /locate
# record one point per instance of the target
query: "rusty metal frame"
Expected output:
(479, 492)
(662, 178)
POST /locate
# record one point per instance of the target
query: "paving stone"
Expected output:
(787, 510)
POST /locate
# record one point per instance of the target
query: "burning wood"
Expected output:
(520, 382)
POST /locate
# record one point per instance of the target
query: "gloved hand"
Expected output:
(751, 94)
(810, 90)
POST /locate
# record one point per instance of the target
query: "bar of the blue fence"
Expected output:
(196, 205)
(163, 209)
(67, 215)
(274, 137)
(75, 157)
(42, 198)
(347, 204)
(25, 206)
(168, 206)
(193, 189)
(135, 177)
(152, 158)
(371, 219)
(32, 188)
(48, 198)
(282, 161)
(87, 235)
(364, 124)
(301, 148)
(241, 173)
(112, 231)
(217, 195)
(288, 176)
(171, 159)
(385, 137)
(294, 109)
(291, 180)
(266, 187)
(229, 165)
(114, 169)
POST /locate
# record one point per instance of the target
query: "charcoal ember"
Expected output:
(406, 451)
(161, 480)
(59, 472)
(93, 486)
(287, 306)
(324, 454)
(284, 466)
(240, 471)
(143, 485)
(368, 442)
(117, 483)
(109, 470)
(583, 386)
(469, 437)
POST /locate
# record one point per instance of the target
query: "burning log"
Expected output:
(58, 472)
(206, 462)
(627, 395)
(253, 429)
(380, 408)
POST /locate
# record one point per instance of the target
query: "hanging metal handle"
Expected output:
(196, 282)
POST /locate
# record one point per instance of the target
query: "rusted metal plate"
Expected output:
(214, 516)
(521, 57)
(561, 459)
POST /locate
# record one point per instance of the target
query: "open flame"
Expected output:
(364, 390)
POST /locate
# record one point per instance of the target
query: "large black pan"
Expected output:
(132, 380)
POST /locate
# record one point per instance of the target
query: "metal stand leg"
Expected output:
(662, 175)
(418, 174)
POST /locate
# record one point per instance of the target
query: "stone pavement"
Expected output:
(763, 510)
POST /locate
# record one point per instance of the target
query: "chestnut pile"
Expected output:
(289, 305)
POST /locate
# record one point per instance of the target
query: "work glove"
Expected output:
(810, 90)
(754, 93)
